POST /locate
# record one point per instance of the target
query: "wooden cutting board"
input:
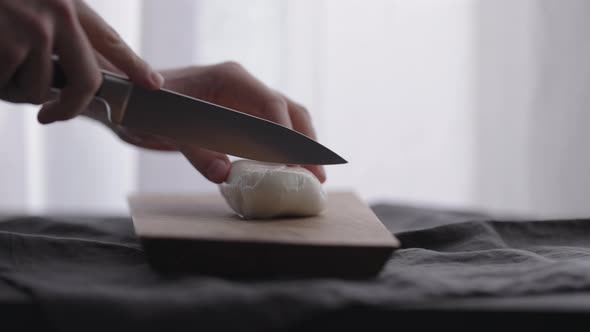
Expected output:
(200, 233)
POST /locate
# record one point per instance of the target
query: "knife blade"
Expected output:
(192, 121)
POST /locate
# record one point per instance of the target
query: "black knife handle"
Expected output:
(114, 90)
(59, 79)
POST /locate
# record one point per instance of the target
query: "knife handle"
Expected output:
(59, 77)
(114, 91)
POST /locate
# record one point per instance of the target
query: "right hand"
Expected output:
(34, 30)
(230, 85)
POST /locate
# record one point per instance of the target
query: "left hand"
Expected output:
(230, 85)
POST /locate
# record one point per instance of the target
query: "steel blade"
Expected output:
(196, 122)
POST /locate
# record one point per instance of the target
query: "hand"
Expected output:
(229, 85)
(34, 30)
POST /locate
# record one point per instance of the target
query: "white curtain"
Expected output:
(458, 103)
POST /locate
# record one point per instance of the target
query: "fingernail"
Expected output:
(217, 170)
(157, 79)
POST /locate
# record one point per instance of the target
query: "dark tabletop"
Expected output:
(75, 273)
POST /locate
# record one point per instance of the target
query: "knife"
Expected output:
(193, 121)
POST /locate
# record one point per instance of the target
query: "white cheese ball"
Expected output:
(257, 190)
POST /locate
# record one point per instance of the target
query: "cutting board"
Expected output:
(199, 233)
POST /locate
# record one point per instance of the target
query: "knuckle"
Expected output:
(112, 39)
(72, 107)
(36, 95)
(36, 27)
(96, 82)
(273, 106)
(39, 95)
(231, 66)
(91, 84)
(41, 33)
(11, 95)
(36, 98)
(85, 87)
(303, 112)
(119, 50)
(15, 56)
(63, 9)
(45, 38)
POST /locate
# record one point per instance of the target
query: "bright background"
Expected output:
(455, 103)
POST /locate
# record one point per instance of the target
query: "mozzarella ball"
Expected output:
(257, 190)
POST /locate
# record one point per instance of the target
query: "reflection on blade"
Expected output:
(195, 122)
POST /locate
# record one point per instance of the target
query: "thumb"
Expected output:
(108, 43)
(214, 166)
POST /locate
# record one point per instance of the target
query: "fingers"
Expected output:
(24, 75)
(230, 85)
(214, 166)
(39, 29)
(142, 140)
(108, 42)
(11, 60)
(276, 110)
(14, 47)
(301, 120)
(81, 70)
(251, 95)
(35, 76)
